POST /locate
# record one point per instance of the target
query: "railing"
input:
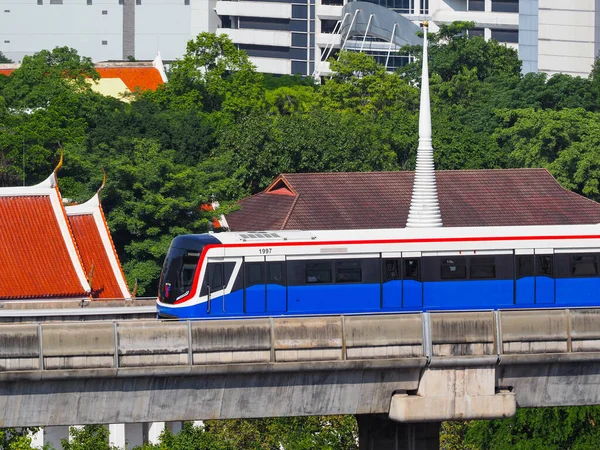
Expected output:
(132, 348)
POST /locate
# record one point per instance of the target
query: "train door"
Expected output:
(276, 284)
(254, 284)
(391, 280)
(524, 277)
(214, 287)
(412, 286)
(544, 276)
(234, 286)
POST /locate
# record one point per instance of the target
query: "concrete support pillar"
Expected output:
(53, 436)
(377, 432)
(117, 434)
(154, 431)
(174, 427)
(37, 439)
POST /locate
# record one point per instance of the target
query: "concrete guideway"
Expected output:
(411, 368)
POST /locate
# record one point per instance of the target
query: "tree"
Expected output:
(16, 439)
(89, 437)
(4, 59)
(452, 49)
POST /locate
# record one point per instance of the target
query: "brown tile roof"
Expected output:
(382, 200)
(37, 256)
(95, 245)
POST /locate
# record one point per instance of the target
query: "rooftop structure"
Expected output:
(329, 201)
(49, 251)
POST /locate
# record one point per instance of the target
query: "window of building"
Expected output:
(327, 26)
(424, 6)
(104, 12)
(476, 5)
(7, 42)
(89, 2)
(138, 2)
(509, 36)
(104, 42)
(120, 2)
(186, 2)
(7, 10)
(40, 2)
(332, 2)
(505, 6)
(56, 2)
(299, 12)
(476, 32)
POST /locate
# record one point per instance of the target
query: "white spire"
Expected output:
(158, 65)
(424, 206)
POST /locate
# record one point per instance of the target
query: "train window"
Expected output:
(411, 269)
(215, 277)
(254, 273)
(275, 274)
(544, 265)
(296, 273)
(453, 268)
(227, 271)
(584, 265)
(482, 267)
(391, 269)
(318, 272)
(524, 266)
(188, 270)
(239, 279)
(348, 272)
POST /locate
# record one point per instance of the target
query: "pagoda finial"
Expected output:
(103, 181)
(60, 161)
(424, 206)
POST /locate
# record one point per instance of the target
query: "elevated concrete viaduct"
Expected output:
(395, 372)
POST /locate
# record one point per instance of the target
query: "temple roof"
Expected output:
(49, 251)
(358, 200)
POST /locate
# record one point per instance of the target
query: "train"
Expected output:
(279, 273)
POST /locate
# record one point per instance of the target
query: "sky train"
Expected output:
(249, 274)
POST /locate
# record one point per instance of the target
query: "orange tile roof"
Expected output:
(134, 77)
(37, 255)
(6, 72)
(101, 275)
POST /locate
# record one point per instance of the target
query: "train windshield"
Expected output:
(179, 268)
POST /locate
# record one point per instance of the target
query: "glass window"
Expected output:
(275, 273)
(476, 5)
(544, 265)
(483, 267)
(584, 265)
(411, 269)
(524, 266)
(348, 272)
(509, 36)
(505, 6)
(254, 273)
(318, 272)
(453, 269)
(391, 269)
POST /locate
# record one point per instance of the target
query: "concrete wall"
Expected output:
(145, 371)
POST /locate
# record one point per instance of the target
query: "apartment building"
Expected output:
(297, 36)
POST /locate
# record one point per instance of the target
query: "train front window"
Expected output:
(177, 274)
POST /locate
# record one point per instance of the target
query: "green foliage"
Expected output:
(16, 439)
(89, 437)
(4, 59)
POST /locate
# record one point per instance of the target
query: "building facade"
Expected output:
(298, 36)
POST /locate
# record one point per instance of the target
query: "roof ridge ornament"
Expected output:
(424, 206)
(60, 162)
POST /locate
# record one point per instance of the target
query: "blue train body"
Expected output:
(276, 273)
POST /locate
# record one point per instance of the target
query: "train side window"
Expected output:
(391, 270)
(524, 266)
(411, 269)
(254, 273)
(348, 272)
(584, 265)
(238, 284)
(544, 265)
(318, 272)
(227, 271)
(453, 268)
(214, 278)
(482, 267)
(296, 273)
(275, 273)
